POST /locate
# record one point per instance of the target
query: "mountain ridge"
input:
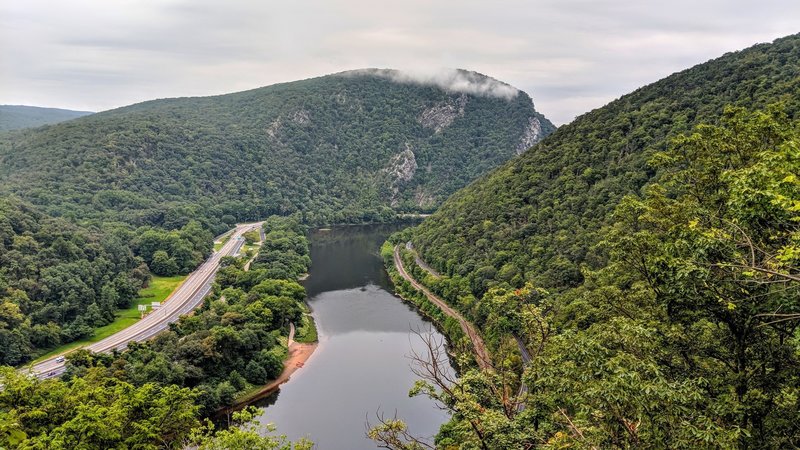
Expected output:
(323, 132)
(604, 151)
(15, 117)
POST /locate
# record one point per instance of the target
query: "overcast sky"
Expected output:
(570, 55)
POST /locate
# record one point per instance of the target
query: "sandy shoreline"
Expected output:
(298, 355)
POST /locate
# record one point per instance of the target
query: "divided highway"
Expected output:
(188, 296)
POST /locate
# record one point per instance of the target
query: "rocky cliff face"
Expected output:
(401, 169)
(530, 136)
(403, 165)
(300, 117)
(440, 116)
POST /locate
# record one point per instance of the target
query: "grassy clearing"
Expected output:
(218, 245)
(306, 333)
(159, 289)
(252, 236)
(251, 249)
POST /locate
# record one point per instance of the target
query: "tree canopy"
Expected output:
(353, 147)
(537, 218)
(58, 281)
(687, 337)
(645, 256)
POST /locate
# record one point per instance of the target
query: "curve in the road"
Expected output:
(465, 325)
(188, 296)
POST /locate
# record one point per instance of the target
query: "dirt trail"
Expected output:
(482, 355)
(422, 264)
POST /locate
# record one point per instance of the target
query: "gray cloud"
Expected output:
(569, 55)
(451, 80)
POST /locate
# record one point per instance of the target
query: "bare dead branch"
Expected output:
(575, 430)
(393, 434)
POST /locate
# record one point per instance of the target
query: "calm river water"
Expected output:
(361, 365)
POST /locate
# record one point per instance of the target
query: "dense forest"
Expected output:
(350, 147)
(59, 281)
(646, 258)
(537, 218)
(155, 393)
(15, 117)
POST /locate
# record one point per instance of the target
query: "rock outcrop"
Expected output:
(440, 116)
(401, 169)
(530, 136)
(300, 117)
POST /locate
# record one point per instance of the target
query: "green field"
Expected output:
(252, 248)
(218, 245)
(306, 333)
(159, 289)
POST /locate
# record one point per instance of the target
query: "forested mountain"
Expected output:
(350, 147)
(536, 218)
(14, 117)
(646, 257)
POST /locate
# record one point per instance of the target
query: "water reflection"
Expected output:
(361, 364)
(348, 257)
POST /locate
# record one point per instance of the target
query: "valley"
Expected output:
(361, 366)
(386, 258)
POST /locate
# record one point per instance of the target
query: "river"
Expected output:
(361, 365)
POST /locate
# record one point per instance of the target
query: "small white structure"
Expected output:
(155, 305)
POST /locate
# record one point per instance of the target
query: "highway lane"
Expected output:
(188, 296)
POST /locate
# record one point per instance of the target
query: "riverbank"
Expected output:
(299, 353)
(480, 351)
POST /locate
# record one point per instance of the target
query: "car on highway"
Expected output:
(60, 359)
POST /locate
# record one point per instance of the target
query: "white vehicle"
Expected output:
(60, 359)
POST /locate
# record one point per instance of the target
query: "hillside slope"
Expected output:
(15, 117)
(348, 147)
(665, 228)
(537, 217)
